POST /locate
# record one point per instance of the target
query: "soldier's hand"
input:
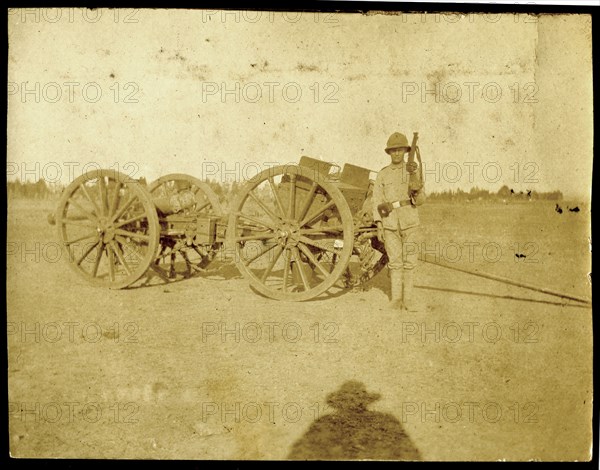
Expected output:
(380, 232)
(411, 167)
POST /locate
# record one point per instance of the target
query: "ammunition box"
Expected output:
(206, 229)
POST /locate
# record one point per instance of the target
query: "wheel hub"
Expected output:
(288, 234)
(105, 230)
(109, 235)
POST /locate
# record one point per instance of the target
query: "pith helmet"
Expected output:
(351, 395)
(395, 141)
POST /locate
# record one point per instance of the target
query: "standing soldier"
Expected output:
(396, 194)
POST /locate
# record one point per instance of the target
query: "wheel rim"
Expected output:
(177, 259)
(291, 232)
(109, 228)
(208, 202)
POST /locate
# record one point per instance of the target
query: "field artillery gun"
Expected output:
(293, 230)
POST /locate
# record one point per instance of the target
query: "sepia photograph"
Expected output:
(299, 234)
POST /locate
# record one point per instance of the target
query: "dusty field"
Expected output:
(208, 369)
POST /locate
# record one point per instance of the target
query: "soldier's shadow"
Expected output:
(353, 432)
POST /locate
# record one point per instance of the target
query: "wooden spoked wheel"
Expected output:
(109, 228)
(180, 257)
(291, 232)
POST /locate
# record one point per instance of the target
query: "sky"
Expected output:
(496, 99)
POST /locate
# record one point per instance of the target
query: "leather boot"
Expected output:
(408, 299)
(396, 288)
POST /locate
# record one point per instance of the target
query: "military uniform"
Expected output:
(394, 184)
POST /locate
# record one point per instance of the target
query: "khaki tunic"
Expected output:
(401, 227)
(392, 184)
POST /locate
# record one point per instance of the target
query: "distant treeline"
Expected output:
(504, 194)
(44, 190)
(38, 190)
(229, 189)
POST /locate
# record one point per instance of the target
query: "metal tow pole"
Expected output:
(508, 281)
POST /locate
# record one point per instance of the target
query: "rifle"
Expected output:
(415, 181)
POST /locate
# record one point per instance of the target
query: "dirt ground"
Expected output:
(208, 369)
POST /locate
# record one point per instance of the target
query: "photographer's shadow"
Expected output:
(353, 432)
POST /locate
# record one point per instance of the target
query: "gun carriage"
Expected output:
(294, 231)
